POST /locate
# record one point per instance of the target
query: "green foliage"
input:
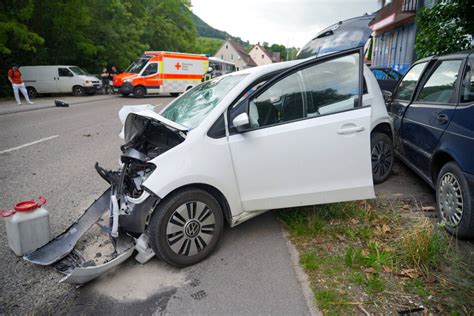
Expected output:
(423, 247)
(373, 258)
(206, 45)
(445, 28)
(94, 34)
(90, 33)
(309, 260)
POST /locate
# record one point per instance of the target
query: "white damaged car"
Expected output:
(289, 134)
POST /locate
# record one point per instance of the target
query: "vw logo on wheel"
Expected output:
(192, 228)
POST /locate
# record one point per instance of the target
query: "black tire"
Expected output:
(174, 94)
(125, 94)
(78, 91)
(167, 229)
(453, 190)
(139, 92)
(32, 93)
(381, 149)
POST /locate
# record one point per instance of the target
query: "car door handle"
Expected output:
(442, 119)
(350, 130)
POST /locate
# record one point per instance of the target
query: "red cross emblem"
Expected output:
(178, 65)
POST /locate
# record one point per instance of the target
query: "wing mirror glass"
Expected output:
(241, 122)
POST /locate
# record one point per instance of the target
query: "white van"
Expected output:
(58, 79)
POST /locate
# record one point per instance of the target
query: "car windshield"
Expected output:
(137, 65)
(78, 71)
(192, 108)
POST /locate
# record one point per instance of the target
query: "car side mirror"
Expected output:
(241, 122)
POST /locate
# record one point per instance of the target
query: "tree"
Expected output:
(17, 40)
(445, 28)
(205, 45)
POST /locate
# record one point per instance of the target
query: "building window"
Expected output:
(227, 47)
(222, 57)
(263, 56)
(232, 56)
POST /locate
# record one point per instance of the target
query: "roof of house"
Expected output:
(269, 55)
(242, 53)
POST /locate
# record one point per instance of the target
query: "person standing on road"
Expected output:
(112, 74)
(105, 80)
(14, 76)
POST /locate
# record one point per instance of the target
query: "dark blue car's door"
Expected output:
(430, 112)
(402, 98)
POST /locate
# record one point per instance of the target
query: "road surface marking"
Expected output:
(28, 144)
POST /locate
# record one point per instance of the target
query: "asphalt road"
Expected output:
(250, 273)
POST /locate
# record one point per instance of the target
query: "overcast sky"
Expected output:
(287, 22)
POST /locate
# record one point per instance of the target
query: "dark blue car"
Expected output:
(433, 114)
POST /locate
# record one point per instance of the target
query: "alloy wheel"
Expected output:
(450, 200)
(381, 158)
(190, 228)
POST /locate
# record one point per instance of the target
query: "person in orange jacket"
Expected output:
(14, 76)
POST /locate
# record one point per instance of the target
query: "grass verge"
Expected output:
(370, 257)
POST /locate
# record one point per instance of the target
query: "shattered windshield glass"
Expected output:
(137, 65)
(191, 109)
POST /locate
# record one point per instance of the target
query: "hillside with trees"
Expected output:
(99, 33)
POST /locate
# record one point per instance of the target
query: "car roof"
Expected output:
(455, 55)
(265, 69)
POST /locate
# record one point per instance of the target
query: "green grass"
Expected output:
(373, 257)
(417, 287)
(349, 248)
(423, 246)
(374, 284)
(309, 261)
(311, 221)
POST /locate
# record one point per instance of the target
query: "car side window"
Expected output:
(282, 102)
(151, 69)
(64, 72)
(467, 88)
(332, 86)
(325, 88)
(439, 87)
(408, 84)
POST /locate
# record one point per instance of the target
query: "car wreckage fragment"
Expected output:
(127, 205)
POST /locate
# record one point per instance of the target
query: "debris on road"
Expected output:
(60, 103)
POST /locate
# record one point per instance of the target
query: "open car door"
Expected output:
(303, 137)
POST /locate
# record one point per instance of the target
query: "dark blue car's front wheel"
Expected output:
(454, 198)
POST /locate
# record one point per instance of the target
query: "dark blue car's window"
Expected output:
(408, 84)
(440, 86)
(467, 88)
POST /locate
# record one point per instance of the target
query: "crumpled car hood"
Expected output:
(134, 126)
